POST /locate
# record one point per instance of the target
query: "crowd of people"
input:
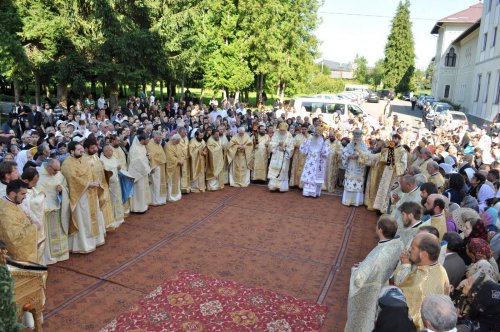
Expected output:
(435, 267)
(71, 174)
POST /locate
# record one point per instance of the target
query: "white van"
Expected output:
(314, 106)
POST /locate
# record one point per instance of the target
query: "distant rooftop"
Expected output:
(336, 66)
(469, 15)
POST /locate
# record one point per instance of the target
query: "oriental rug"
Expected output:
(195, 302)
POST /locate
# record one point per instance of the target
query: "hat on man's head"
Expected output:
(283, 126)
(59, 122)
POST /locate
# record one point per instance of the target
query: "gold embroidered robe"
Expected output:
(425, 280)
(261, 158)
(158, 176)
(215, 165)
(175, 154)
(240, 160)
(198, 155)
(18, 233)
(298, 160)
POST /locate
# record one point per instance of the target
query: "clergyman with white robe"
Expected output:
(316, 150)
(281, 147)
(369, 276)
(354, 171)
(57, 213)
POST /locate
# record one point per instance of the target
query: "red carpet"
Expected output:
(196, 302)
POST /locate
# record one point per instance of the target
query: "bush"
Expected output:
(456, 107)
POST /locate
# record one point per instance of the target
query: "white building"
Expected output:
(467, 61)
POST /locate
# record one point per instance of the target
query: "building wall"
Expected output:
(485, 104)
(445, 75)
(462, 91)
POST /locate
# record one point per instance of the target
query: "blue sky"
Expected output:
(343, 36)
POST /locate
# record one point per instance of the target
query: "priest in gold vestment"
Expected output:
(261, 155)
(33, 206)
(139, 169)
(281, 147)
(198, 154)
(298, 159)
(225, 144)
(333, 162)
(112, 165)
(240, 159)
(215, 162)
(99, 176)
(369, 276)
(174, 152)
(57, 214)
(86, 228)
(428, 278)
(186, 165)
(158, 165)
(395, 159)
(16, 230)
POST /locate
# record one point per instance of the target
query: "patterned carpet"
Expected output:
(283, 242)
(193, 302)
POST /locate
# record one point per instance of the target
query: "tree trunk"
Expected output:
(161, 91)
(282, 95)
(202, 96)
(37, 88)
(237, 97)
(260, 85)
(62, 94)
(245, 93)
(136, 89)
(224, 93)
(114, 91)
(17, 90)
(278, 88)
(93, 89)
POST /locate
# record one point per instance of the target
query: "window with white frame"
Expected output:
(451, 58)
(478, 89)
(494, 39)
(485, 41)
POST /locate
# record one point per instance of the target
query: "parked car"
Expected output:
(386, 94)
(459, 119)
(406, 96)
(326, 96)
(424, 100)
(439, 107)
(373, 97)
(305, 106)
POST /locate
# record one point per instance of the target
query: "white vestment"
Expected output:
(367, 279)
(316, 151)
(354, 174)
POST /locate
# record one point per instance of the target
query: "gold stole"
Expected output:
(158, 159)
(78, 174)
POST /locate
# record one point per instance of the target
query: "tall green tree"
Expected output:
(399, 62)
(361, 69)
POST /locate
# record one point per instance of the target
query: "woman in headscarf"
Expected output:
(479, 252)
(393, 312)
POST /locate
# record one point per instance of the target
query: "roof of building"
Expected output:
(337, 66)
(467, 32)
(469, 15)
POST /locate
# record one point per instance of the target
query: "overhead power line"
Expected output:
(371, 15)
